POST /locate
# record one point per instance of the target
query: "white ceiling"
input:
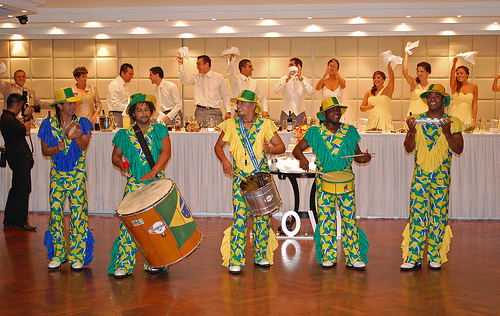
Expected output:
(292, 18)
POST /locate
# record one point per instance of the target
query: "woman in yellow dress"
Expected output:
(464, 94)
(418, 85)
(90, 106)
(378, 101)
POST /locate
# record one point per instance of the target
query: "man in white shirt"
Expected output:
(209, 89)
(167, 95)
(7, 88)
(243, 81)
(295, 87)
(118, 95)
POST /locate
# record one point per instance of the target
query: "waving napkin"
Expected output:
(2, 68)
(232, 50)
(390, 58)
(184, 51)
(410, 46)
(468, 57)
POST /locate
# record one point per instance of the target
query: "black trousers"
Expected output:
(16, 208)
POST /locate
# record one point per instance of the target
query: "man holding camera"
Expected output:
(20, 160)
(7, 88)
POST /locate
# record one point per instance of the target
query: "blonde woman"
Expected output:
(464, 94)
(90, 106)
(418, 85)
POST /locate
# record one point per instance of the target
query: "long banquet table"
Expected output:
(382, 186)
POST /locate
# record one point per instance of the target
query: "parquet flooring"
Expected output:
(296, 285)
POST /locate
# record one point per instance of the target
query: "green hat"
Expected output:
(248, 96)
(140, 97)
(439, 89)
(65, 95)
(329, 103)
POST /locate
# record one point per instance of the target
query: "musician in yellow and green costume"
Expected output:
(67, 181)
(433, 143)
(139, 172)
(330, 142)
(250, 138)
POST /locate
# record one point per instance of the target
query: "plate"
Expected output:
(373, 132)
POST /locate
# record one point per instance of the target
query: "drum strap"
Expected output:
(144, 146)
(248, 146)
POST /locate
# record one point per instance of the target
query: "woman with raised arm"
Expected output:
(464, 94)
(418, 85)
(496, 87)
(378, 101)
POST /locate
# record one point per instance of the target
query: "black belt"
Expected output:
(206, 107)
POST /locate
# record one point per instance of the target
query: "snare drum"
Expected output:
(160, 222)
(338, 182)
(261, 200)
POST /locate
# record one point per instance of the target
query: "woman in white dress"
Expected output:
(378, 101)
(418, 85)
(332, 84)
(464, 94)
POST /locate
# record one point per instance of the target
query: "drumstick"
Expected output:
(358, 155)
(237, 175)
(314, 171)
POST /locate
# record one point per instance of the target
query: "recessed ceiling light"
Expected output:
(180, 24)
(403, 28)
(10, 16)
(16, 37)
(358, 33)
(7, 26)
(313, 28)
(139, 30)
(494, 27)
(408, 16)
(187, 35)
(449, 20)
(309, 17)
(272, 34)
(102, 36)
(71, 22)
(449, 33)
(166, 20)
(268, 23)
(119, 21)
(261, 18)
(24, 11)
(225, 29)
(93, 24)
(214, 19)
(357, 20)
(1, 5)
(56, 31)
(459, 16)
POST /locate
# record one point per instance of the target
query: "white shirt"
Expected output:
(241, 82)
(118, 97)
(294, 94)
(209, 88)
(168, 98)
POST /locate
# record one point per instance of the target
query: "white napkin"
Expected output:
(229, 51)
(293, 68)
(184, 51)
(468, 56)
(2, 68)
(390, 58)
(410, 46)
(160, 117)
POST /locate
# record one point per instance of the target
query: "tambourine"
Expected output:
(70, 130)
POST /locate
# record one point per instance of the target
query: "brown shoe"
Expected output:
(26, 227)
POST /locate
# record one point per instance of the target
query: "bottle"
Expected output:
(177, 123)
(289, 122)
(48, 115)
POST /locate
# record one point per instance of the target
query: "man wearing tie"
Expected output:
(244, 82)
(167, 95)
(295, 87)
(118, 95)
(209, 89)
(7, 88)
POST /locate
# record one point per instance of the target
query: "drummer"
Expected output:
(131, 159)
(330, 142)
(261, 135)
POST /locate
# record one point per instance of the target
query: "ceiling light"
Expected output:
(494, 27)
(357, 20)
(71, 22)
(272, 34)
(180, 24)
(261, 18)
(408, 16)
(459, 16)
(268, 23)
(225, 29)
(24, 11)
(166, 20)
(10, 16)
(119, 21)
(449, 33)
(56, 31)
(313, 28)
(358, 33)
(102, 36)
(309, 17)
(7, 26)
(1, 5)
(449, 20)
(403, 28)
(93, 24)
(214, 19)
(187, 35)
(16, 37)
(139, 30)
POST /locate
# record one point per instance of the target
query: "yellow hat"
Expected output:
(65, 95)
(329, 103)
(439, 89)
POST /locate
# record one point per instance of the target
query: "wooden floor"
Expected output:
(469, 284)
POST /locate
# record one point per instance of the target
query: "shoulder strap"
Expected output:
(144, 146)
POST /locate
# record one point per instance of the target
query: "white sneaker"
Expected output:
(152, 270)
(407, 266)
(434, 265)
(234, 269)
(54, 264)
(327, 264)
(120, 274)
(263, 263)
(358, 265)
(77, 266)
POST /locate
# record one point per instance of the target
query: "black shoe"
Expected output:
(26, 227)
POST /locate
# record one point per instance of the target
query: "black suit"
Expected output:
(20, 160)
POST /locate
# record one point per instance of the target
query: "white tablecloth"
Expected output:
(382, 186)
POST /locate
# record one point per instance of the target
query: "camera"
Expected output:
(23, 19)
(3, 158)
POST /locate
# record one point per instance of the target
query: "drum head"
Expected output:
(145, 197)
(251, 182)
(338, 177)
